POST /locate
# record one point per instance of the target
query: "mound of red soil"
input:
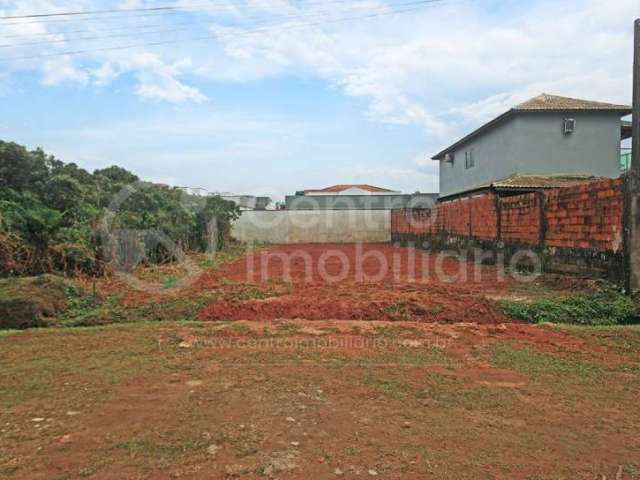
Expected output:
(368, 263)
(363, 302)
(356, 282)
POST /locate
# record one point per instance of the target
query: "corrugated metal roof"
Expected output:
(542, 103)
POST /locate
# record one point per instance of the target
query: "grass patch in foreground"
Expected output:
(536, 364)
(607, 308)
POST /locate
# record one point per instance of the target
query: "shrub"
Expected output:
(605, 308)
(32, 301)
(50, 215)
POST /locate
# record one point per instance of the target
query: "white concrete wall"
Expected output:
(313, 226)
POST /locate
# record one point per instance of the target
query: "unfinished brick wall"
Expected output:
(587, 216)
(416, 221)
(455, 216)
(520, 219)
(484, 218)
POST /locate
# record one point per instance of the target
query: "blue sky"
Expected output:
(315, 94)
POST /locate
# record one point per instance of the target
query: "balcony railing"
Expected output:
(625, 159)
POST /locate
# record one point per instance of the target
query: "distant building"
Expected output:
(247, 202)
(535, 141)
(346, 189)
(357, 197)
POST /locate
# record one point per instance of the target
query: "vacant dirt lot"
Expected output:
(320, 399)
(338, 375)
(370, 282)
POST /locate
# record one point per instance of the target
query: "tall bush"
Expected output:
(51, 211)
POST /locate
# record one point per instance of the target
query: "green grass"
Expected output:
(240, 292)
(149, 448)
(169, 283)
(537, 364)
(31, 372)
(6, 333)
(392, 388)
(418, 356)
(450, 391)
(407, 311)
(606, 308)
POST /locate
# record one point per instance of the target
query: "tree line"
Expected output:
(56, 217)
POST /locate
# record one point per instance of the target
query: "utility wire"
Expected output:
(172, 30)
(144, 12)
(425, 3)
(88, 12)
(97, 37)
(115, 17)
(94, 30)
(223, 9)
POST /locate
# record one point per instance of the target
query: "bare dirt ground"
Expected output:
(370, 282)
(396, 392)
(320, 399)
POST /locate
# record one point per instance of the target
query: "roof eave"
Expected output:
(477, 131)
(440, 155)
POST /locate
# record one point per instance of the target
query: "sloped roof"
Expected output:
(542, 103)
(343, 187)
(529, 183)
(546, 102)
(542, 181)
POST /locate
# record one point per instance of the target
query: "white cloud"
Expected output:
(428, 67)
(63, 70)
(451, 67)
(158, 80)
(105, 74)
(445, 69)
(157, 86)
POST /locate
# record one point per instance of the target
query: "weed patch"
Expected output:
(536, 364)
(609, 308)
(405, 310)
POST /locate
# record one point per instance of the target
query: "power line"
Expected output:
(93, 30)
(221, 9)
(88, 12)
(66, 20)
(165, 30)
(96, 37)
(424, 4)
(421, 3)
(139, 12)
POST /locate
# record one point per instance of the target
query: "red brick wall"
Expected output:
(587, 216)
(520, 219)
(416, 221)
(455, 216)
(484, 218)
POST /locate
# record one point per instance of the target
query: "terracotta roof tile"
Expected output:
(554, 102)
(542, 181)
(541, 103)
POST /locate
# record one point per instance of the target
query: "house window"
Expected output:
(469, 161)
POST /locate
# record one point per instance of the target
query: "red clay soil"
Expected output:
(362, 263)
(358, 282)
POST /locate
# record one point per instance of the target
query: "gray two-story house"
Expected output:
(545, 137)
